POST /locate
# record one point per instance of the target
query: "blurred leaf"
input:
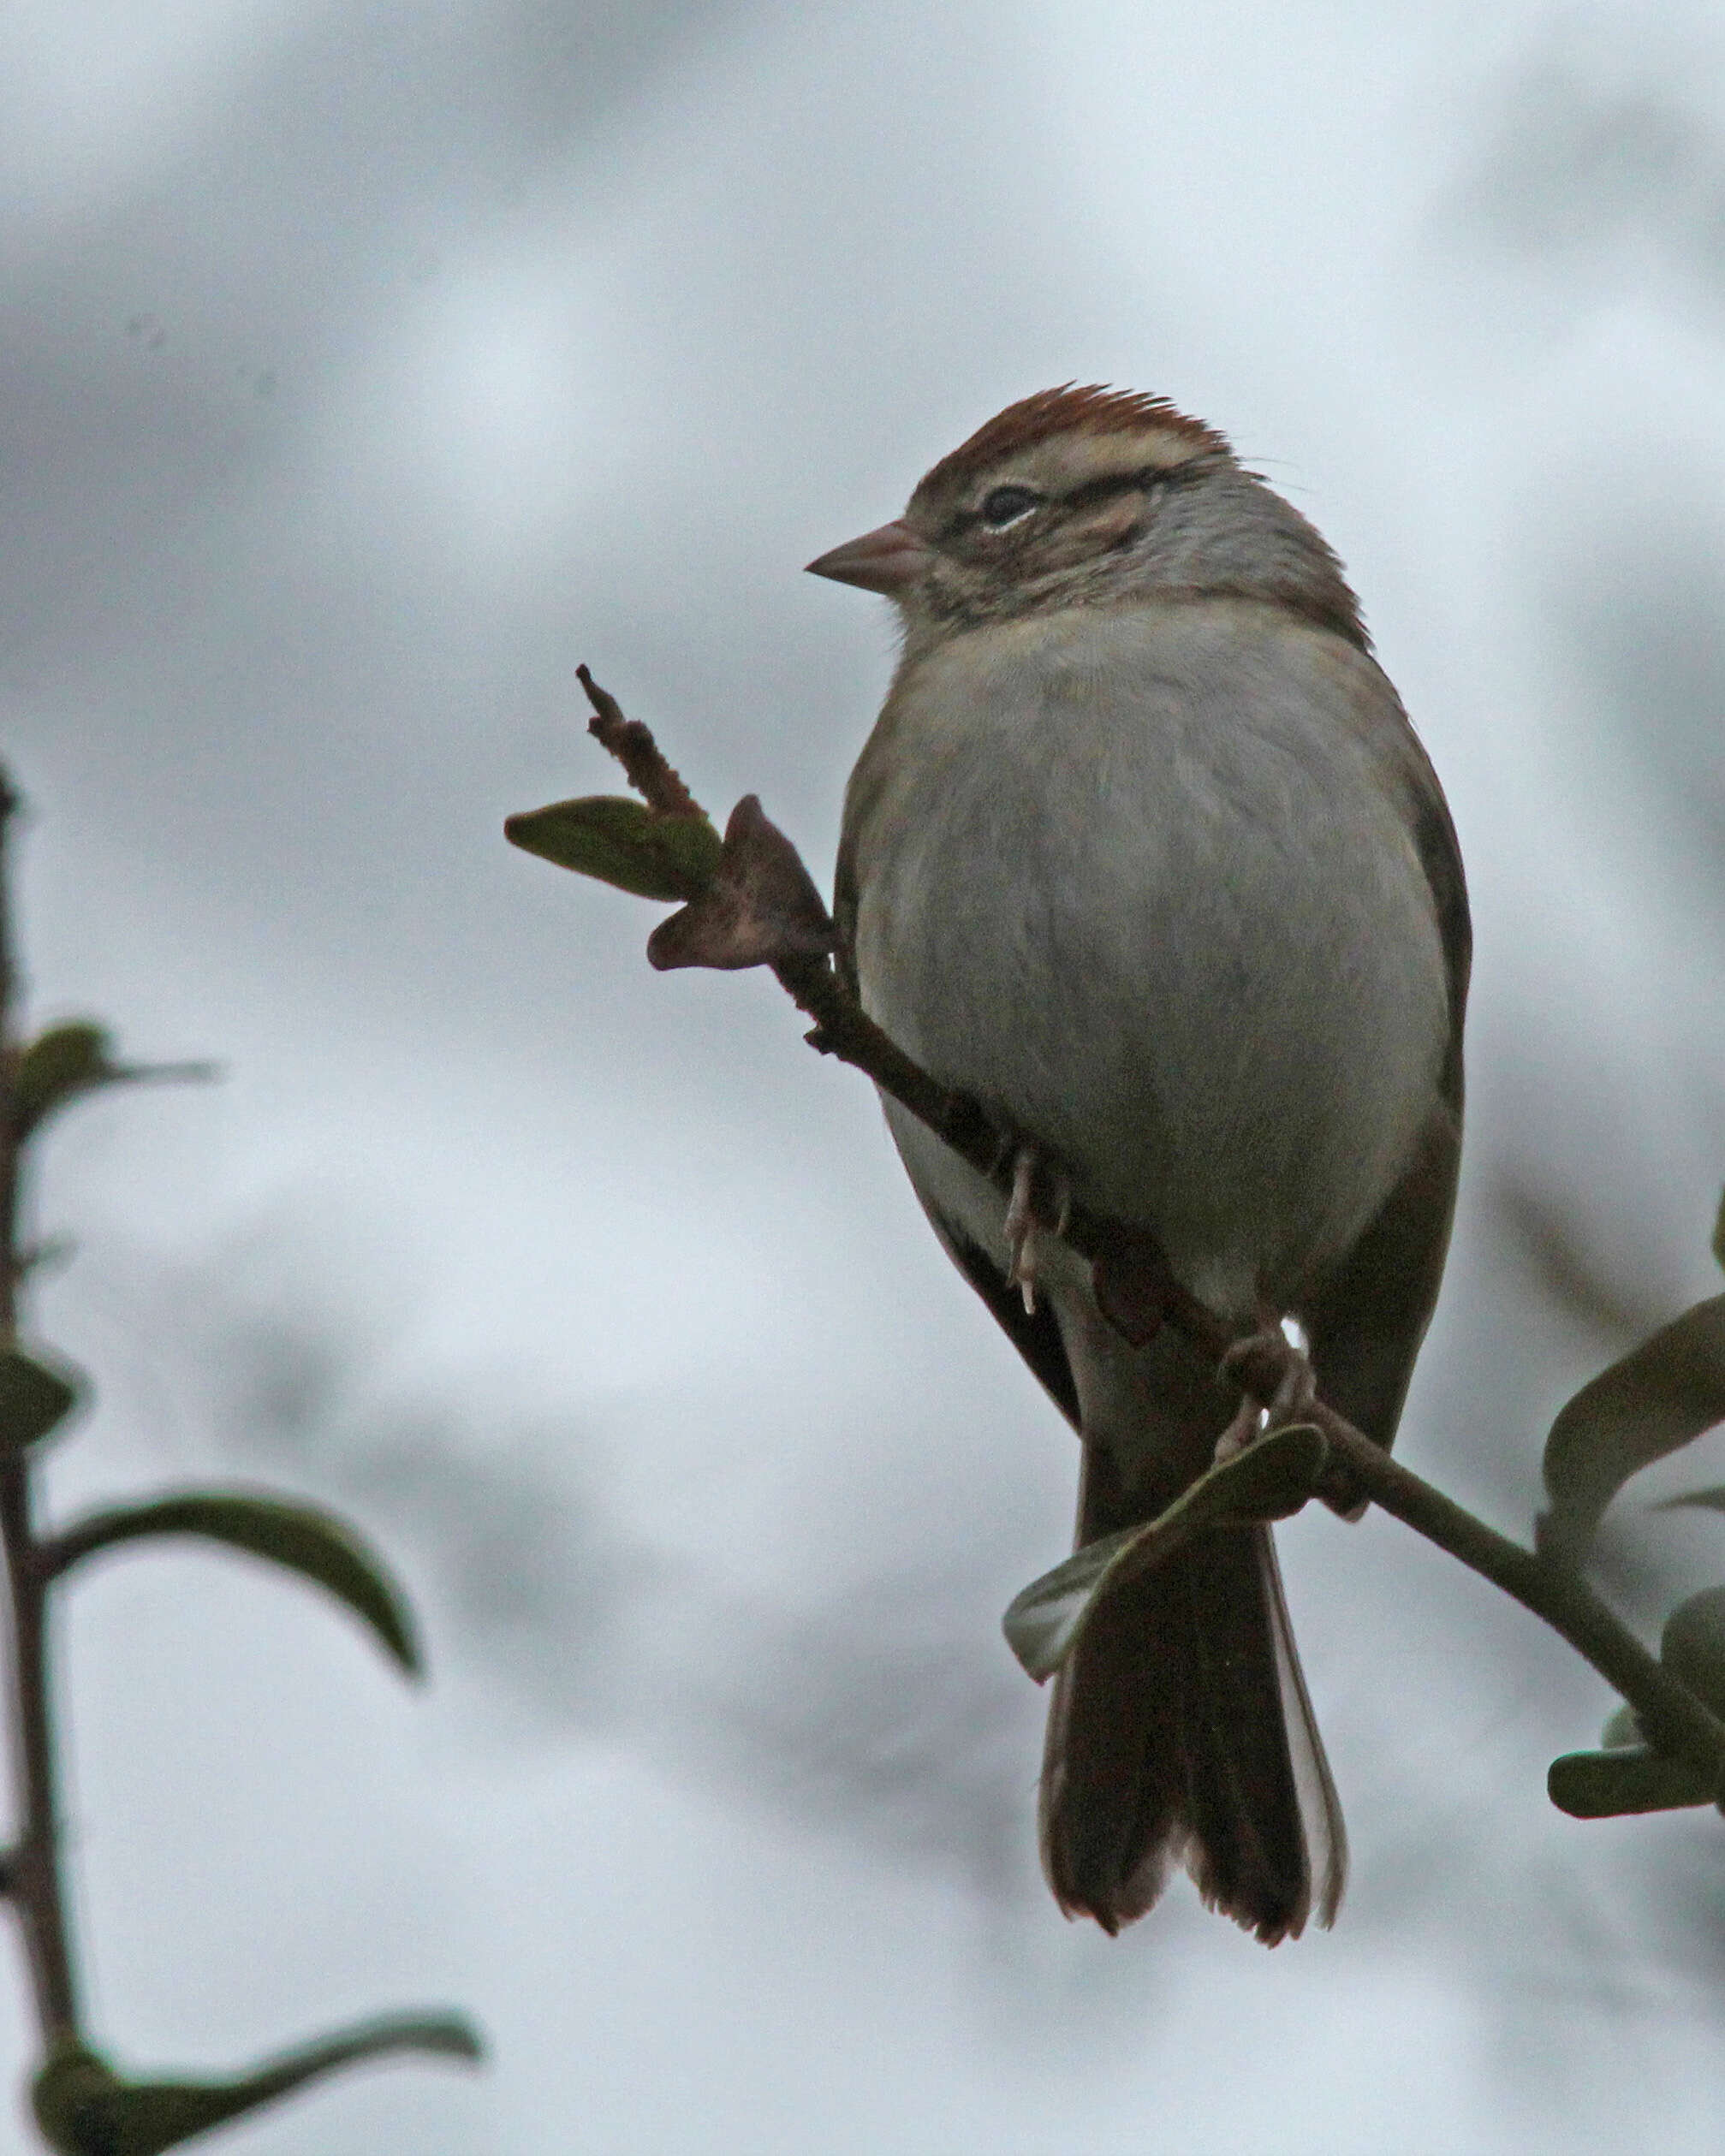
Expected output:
(58, 1066)
(33, 1397)
(623, 842)
(1603, 1784)
(1271, 1478)
(1588, 1786)
(1623, 1730)
(1600, 1288)
(74, 1059)
(1711, 1500)
(1659, 1397)
(46, 1256)
(1693, 1645)
(85, 2108)
(1717, 1245)
(299, 1537)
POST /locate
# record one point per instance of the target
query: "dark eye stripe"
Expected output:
(1093, 491)
(1105, 489)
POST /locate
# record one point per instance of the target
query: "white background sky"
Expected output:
(362, 368)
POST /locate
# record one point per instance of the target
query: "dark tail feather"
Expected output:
(1180, 1729)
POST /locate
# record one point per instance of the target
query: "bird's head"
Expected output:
(1090, 496)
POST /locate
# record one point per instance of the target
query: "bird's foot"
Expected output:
(1022, 1227)
(1255, 1361)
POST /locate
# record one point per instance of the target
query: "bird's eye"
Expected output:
(1006, 505)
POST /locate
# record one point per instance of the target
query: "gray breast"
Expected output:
(1140, 878)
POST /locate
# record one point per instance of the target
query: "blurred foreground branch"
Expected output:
(83, 2107)
(747, 900)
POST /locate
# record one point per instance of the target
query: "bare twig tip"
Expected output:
(633, 744)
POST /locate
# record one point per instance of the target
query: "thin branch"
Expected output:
(1677, 1721)
(32, 1864)
(631, 742)
(202, 1072)
(1138, 1291)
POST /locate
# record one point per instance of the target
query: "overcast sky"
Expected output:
(364, 368)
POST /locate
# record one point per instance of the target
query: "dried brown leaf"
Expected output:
(761, 908)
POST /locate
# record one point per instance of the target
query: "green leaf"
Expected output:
(56, 1066)
(1270, 1478)
(74, 1059)
(623, 842)
(85, 2108)
(33, 1398)
(1658, 1398)
(1602, 1784)
(1693, 1645)
(1629, 1775)
(301, 1537)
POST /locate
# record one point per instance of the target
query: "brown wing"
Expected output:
(1369, 1314)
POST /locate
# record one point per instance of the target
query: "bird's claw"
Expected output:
(1250, 1362)
(1022, 1227)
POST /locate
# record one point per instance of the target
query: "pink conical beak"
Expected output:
(890, 560)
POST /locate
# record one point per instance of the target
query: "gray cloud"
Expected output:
(357, 380)
(1605, 158)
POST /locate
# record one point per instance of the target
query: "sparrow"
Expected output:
(1143, 854)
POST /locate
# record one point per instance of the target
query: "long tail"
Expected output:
(1180, 1729)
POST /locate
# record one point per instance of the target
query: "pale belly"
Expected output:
(1147, 896)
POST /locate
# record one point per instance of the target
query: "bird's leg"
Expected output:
(1021, 1225)
(1266, 1351)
